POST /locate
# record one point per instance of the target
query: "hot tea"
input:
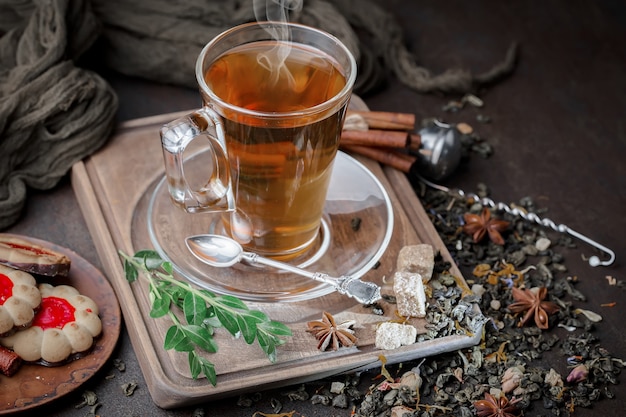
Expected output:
(280, 166)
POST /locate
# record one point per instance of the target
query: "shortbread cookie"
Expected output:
(32, 258)
(65, 325)
(19, 297)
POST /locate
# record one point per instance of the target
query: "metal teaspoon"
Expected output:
(222, 252)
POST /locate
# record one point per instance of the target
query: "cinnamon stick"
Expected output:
(390, 157)
(10, 362)
(385, 138)
(387, 120)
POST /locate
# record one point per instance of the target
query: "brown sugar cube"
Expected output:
(418, 259)
(410, 297)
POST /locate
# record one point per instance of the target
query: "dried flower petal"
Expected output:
(512, 378)
(594, 317)
(481, 270)
(400, 411)
(578, 374)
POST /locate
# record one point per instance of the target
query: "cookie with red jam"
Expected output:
(63, 328)
(19, 298)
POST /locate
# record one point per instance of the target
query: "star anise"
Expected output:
(532, 302)
(496, 407)
(330, 334)
(480, 225)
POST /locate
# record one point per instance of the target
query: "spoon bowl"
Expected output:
(223, 252)
(215, 250)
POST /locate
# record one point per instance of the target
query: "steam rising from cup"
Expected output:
(274, 60)
(275, 10)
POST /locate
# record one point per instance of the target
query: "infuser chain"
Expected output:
(531, 217)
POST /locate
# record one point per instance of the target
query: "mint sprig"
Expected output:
(202, 313)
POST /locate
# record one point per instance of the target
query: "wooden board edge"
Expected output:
(107, 251)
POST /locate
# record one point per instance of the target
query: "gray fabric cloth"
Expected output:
(161, 39)
(52, 113)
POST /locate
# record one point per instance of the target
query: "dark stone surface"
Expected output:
(558, 131)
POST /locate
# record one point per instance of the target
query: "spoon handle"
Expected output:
(363, 292)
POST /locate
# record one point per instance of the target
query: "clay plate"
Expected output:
(35, 385)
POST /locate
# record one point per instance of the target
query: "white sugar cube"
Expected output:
(393, 335)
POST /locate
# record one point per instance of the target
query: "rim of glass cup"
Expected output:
(331, 103)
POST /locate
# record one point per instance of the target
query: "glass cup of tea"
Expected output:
(274, 100)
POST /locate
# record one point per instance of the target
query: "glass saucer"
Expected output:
(357, 227)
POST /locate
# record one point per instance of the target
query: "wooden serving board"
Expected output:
(109, 186)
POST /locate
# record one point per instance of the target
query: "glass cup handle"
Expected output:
(216, 194)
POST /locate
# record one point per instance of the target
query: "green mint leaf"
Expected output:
(130, 271)
(160, 304)
(201, 337)
(149, 258)
(167, 267)
(207, 293)
(231, 302)
(247, 326)
(199, 365)
(259, 316)
(268, 344)
(194, 308)
(177, 294)
(146, 253)
(177, 339)
(275, 327)
(212, 321)
(227, 319)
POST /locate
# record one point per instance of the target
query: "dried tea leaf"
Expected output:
(89, 398)
(119, 365)
(129, 388)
